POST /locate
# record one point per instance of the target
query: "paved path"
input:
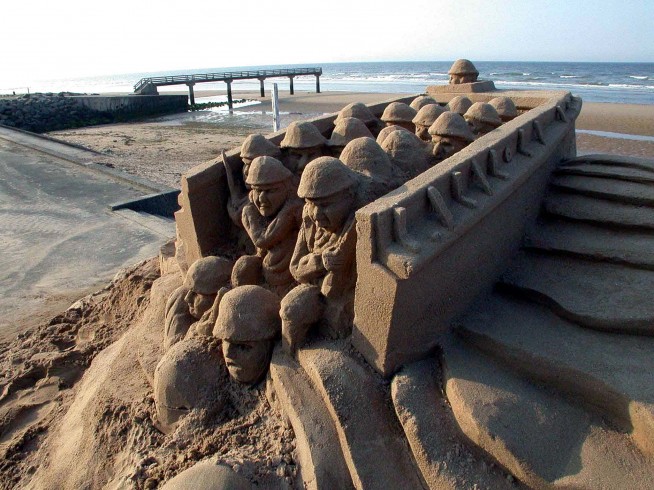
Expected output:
(58, 238)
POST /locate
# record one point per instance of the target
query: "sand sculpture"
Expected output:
(190, 307)
(399, 114)
(345, 130)
(459, 104)
(425, 118)
(421, 101)
(450, 133)
(323, 260)
(482, 118)
(302, 143)
(388, 130)
(248, 323)
(504, 107)
(463, 71)
(363, 113)
(271, 220)
(407, 152)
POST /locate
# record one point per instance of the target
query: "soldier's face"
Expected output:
(198, 303)
(298, 158)
(246, 167)
(422, 132)
(445, 147)
(247, 361)
(331, 212)
(269, 198)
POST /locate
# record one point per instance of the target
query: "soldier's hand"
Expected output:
(332, 260)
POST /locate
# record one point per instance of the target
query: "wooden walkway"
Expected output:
(148, 86)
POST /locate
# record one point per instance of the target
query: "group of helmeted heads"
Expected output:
(292, 205)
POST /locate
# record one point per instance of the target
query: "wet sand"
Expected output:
(164, 148)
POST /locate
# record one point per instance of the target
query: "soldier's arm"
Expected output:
(305, 265)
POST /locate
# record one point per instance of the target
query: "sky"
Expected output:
(46, 39)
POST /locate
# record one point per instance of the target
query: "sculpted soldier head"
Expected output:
(450, 133)
(302, 143)
(400, 114)
(248, 323)
(204, 279)
(271, 185)
(463, 71)
(482, 118)
(346, 130)
(425, 118)
(504, 107)
(256, 145)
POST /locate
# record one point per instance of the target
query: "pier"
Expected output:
(148, 86)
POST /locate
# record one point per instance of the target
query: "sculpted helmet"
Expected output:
(357, 110)
(388, 130)
(247, 314)
(407, 151)
(463, 67)
(504, 107)
(428, 114)
(483, 112)
(324, 177)
(421, 101)
(398, 112)
(459, 104)
(267, 170)
(452, 125)
(365, 156)
(347, 129)
(302, 135)
(208, 275)
(256, 145)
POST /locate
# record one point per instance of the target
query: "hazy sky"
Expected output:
(48, 39)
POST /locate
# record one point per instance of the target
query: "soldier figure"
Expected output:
(360, 111)
(450, 133)
(271, 220)
(302, 143)
(504, 107)
(425, 118)
(421, 101)
(463, 71)
(345, 130)
(400, 114)
(324, 258)
(482, 118)
(459, 104)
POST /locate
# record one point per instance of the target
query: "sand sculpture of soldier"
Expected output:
(459, 104)
(450, 133)
(191, 307)
(463, 71)
(421, 101)
(346, 130)
(425, 118)
(360, 111)
(383, 134)
(482, 118)
(408, 153)
(323, 262)
(302, 143)
(505, 108)
(255, 145)
(271, 220)
(248, 324)
(399, 114)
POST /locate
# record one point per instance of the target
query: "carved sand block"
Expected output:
(610, 373)
(321, 460)
(602, 296)
(641, 194)
(454, 213)
(367, 429)
(608, 172)
(582, 208)
(630, 247)
(545, 441)
(612, 161)
(436, 441)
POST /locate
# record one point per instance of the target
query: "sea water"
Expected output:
(594, 82)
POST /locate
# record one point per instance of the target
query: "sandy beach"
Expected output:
(164, 148)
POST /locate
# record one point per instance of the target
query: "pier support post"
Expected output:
(291, 79)
(230, 102)
(191, 95)
(263, 94)
(317, 84)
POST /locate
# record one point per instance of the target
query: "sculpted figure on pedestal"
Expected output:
(463, 71)
(324, 258)
(449, 133)
(255, 145)
(190, 307)
(345, 130)
(425, 118)
(302, 143)
(505, 108)
(400, 114)
(271, 220)
(247, 324)
(482, 118)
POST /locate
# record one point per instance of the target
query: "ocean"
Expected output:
(595, 82)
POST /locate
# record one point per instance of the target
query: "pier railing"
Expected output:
(221, 77)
